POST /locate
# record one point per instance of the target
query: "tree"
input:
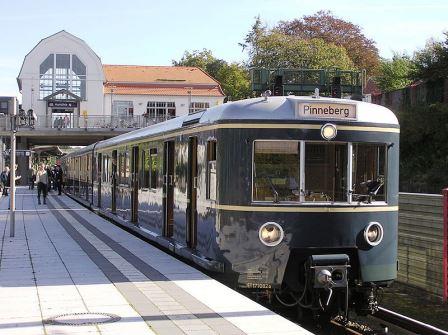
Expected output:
(323, 25)
(272, 49)
(431, 63)
(233, 77)
(423, 149)
(395, 73)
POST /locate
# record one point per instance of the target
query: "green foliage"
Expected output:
(233, 77)
(333, 30)
(396, 73)
(431, 63)
(273, 49)
(424, 149)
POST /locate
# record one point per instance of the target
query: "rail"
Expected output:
(80, 122)
(407, 323)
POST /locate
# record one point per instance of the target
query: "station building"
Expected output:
(69, 97)
(62, 78)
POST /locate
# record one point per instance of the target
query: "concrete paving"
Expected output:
(68, 271)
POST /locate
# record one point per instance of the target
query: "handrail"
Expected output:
(80, 122)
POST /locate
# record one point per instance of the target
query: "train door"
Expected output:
(134, 184)
(168, 188)
(192, 183)
(99, 175)
(114, 181)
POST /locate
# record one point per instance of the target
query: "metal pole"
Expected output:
(445, 244)
(12, 173)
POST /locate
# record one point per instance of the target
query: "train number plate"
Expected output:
(321, 110)
(258, 285)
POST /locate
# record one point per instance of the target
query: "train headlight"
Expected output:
(328, 131)
(373, 233)
(271, 234)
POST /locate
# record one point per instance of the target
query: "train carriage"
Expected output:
(295, 195)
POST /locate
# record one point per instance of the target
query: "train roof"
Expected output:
(272, 110)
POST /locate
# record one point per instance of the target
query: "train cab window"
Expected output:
(276, 171)
(154, 162)
(369, 172)
(211, 170)
(325, 172)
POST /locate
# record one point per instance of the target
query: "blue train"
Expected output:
(290, 197)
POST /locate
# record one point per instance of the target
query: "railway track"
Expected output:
(411, 325)
(388, 322)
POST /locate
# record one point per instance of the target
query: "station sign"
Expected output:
(322, 110)
(63, 104)
(19, 153)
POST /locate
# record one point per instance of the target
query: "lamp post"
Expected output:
(12, 173)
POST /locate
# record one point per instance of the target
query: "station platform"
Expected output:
(69, 271)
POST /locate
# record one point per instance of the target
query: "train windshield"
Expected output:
(279, 174)
(276, 171)
(369, 172)
(325, 172)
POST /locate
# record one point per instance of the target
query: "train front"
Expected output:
(310, 212)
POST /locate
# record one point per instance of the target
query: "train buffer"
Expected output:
(68, 271)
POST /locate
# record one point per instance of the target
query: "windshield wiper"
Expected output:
(274, 191)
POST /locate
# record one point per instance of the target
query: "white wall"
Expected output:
(140, 102)
(64, 43)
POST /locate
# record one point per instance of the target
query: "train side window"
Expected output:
(369, 172)
(211, 170)
(325, 172)
(123, 167)
(154, 162)
(119, 167)
(127, 167)
(276, 171)
(105, 169)
(144, 169)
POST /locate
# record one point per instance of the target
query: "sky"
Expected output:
(156, 32)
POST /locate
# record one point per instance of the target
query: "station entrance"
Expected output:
(62, 109)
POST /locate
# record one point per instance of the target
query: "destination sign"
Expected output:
(323, 110)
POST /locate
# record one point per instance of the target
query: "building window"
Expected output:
(62, 72)
(79, 75)
(198, 106)
(123, 108)
(3, 107)
(160, 110)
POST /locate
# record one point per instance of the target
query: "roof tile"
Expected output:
(156, 74)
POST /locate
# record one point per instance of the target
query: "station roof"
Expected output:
(159, 80)
(156, 74)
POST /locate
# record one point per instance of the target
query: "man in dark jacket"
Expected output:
(4, 178)
(58, 178)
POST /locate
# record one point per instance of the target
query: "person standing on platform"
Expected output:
(42, 183)
(58, 178)
(49, 177)
(4, 178)
(32, 178)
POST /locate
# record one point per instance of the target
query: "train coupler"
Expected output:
(329, 273)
